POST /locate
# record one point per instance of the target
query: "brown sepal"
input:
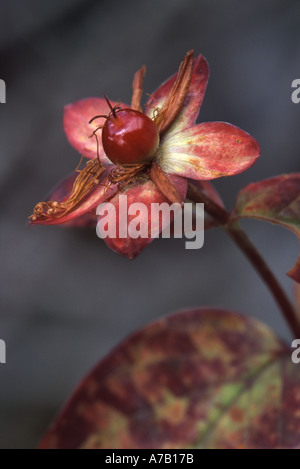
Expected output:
(164, 184)
(174, 101)
(137, 89)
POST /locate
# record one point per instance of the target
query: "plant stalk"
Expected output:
(243, 242)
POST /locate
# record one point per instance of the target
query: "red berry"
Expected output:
(129, 136)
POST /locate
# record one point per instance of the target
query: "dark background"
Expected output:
(66, 299)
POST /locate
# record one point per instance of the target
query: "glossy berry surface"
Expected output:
(129, 136)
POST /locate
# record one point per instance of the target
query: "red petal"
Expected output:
(188, 115)
(77, 127)
(146, 193)
(88, 220)
(208, 151)
(84, 213)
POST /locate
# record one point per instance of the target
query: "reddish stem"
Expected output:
(243, 242)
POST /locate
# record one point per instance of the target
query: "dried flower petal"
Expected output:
(191, 107)
(164, 184)
(137, 89)
(175, 99)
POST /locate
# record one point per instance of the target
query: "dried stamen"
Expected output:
(96, 129)
(123, 175)
(85, 181)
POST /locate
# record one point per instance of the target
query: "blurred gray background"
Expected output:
(66, 299)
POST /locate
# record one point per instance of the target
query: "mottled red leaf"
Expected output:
(145, 192)
(208, 151)
(193, 101)
(198, 379)
(276, 200)
(77, 127)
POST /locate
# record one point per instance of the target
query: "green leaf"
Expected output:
(276, 200)
(198, 379)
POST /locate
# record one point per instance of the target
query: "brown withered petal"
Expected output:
(137, 88)
(175, 100)
(165, 185)
(192, 104)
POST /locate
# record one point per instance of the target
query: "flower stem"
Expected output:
(243, 242)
